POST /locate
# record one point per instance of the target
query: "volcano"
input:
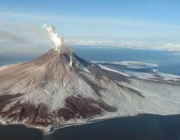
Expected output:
(60, 89)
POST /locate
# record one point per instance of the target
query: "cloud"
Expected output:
(28, 38)
(132, 45)
(105, 43)
(88, 42)
(6, 36)
(26, 33)
(169, 47)
(33, 39)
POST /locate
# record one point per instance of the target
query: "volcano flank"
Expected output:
(60, 88)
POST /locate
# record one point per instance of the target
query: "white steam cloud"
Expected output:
(55, 37)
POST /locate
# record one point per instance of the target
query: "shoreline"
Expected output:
(52, 129)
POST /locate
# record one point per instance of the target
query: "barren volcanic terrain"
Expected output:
(60, 88)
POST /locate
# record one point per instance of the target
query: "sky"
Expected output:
(122, 23)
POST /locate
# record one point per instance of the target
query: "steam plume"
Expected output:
(55, 37)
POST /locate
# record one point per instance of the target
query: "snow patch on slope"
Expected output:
(136, 65)
(158, 98)
(106, 68)
(54, 95)
(130, 64)
(131, 67)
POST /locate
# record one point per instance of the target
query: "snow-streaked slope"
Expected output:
(60, 88)
(139, 70)
(53, 92)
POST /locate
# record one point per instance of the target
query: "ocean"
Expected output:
(168, 61)
(142, 127)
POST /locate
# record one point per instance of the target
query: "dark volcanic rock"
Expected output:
(75, 108)
(31, 113)
(82, 107)
(6, 99)
(86, 108)
(67, 114)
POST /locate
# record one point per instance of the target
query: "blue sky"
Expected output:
(148, 10)
(141, 23)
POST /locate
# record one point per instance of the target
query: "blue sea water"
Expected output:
(142, 127)
(169, 62)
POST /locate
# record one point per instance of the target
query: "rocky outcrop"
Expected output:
(75, 108)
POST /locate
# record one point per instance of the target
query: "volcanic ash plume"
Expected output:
(55, 37)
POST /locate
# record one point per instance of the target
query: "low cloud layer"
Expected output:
(169, 47)
(134, 45)
(27, 38)
(33, 39)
